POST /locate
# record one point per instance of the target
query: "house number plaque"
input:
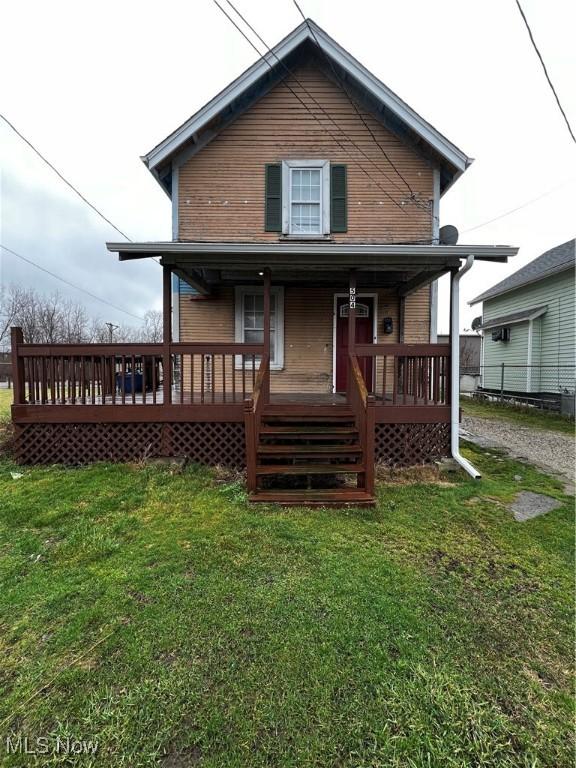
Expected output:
(352, 298)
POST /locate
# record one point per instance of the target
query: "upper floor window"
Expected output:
(305, 201)
(305, 198)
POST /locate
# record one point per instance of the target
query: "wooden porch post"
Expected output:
(369, 444)
(18, 381)
(267, 284)
(352, 314)
(351, 329)
(167, 333)
(267, 310)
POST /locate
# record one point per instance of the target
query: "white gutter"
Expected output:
(407, 252)
(455, 365)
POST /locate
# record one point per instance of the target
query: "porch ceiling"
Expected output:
(403, 282)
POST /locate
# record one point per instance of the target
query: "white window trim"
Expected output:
(324, 166)
(278, 291)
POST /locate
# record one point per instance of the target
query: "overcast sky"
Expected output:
(96, 85)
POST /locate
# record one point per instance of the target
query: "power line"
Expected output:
(63, 178)
(67, 282)
(546, 71)
(245, 36)
(518, 208)
(351, 100)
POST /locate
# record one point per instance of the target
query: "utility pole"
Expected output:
(111, 329)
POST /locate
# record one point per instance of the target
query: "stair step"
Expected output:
(308, 411)
(309, 469)
(299, 451)
(310, 431)
(325, 497)
(336, 419)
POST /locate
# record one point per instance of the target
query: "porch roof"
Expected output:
(311, 253)
(405, 267)
(514, 317)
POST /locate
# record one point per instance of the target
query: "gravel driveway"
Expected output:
(549, 450)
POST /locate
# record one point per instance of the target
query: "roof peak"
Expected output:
(271, 68)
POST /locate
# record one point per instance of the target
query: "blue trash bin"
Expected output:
(132, 382)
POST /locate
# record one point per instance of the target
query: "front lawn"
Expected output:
(5, 403)
(159, 615)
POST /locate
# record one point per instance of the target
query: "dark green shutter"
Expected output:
(338, 199)
(273, 198)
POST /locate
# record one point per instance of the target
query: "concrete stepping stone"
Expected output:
(528, 505)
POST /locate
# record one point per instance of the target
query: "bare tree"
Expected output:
(153, 327)
(9, 306)
(54, 319)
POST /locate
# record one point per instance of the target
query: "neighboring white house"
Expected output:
(528, 324)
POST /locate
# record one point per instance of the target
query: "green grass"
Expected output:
(526, 417)
(161, 616)
(5, 403)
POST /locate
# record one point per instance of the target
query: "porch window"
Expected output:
(306, 197)
(250, 320)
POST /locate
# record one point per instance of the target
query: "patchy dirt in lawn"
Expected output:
(552, 451)
(426, 473)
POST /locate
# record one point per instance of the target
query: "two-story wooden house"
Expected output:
(299, 290)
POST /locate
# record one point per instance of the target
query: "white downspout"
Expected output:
(455, 365)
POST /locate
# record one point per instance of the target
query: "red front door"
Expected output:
(364, 335)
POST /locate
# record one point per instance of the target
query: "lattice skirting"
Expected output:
(404, 445)
(202, 442)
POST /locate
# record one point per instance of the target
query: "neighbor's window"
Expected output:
(250, 320)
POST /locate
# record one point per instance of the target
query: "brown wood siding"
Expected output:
(417, 317)
(308, 333)
(221, 189)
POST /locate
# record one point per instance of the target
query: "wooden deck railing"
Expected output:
(362, 404)
(206, 384)
(209, 374)
(132, 374)
(253, 408)
(408, 374)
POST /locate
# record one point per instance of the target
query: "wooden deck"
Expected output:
(212, 402)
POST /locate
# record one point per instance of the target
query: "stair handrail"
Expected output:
(261, 391)
(363, 406)
(253, 407)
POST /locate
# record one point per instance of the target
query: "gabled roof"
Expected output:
(273, 67)
(549, 263)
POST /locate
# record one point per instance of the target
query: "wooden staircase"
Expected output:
(305, 452)
(302, 453)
